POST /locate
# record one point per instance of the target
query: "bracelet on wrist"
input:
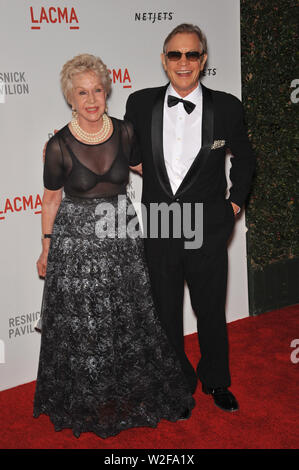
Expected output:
(46, 235)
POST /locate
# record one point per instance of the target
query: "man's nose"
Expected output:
(183, 59)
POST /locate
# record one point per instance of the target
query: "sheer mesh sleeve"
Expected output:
(54, 175)
(133, 149)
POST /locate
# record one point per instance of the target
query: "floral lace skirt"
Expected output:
(105, 362)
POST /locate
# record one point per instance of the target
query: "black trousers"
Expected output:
(206, 277)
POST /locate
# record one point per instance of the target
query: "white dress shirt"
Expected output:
(181, 135)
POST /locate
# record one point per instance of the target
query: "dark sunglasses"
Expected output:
(190, 55)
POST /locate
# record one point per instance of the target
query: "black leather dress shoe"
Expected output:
(223, 398)
(185, 415)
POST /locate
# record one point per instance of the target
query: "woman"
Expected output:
(105, 363)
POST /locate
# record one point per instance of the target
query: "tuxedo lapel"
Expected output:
(207, 141)
(157, 141)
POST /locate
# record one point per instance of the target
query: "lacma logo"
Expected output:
(51, 15)
(121, 76)
(20, 204)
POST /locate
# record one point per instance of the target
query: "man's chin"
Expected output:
(184, 90)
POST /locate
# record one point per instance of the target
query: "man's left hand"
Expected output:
(236, 208)
(137, 169)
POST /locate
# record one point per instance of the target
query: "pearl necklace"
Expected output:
(92, 138)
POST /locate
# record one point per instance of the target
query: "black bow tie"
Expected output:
(173, 100)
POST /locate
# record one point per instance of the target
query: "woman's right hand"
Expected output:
(42, 264)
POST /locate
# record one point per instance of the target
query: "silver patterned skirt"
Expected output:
(105, 362)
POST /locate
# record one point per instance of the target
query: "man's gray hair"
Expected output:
(188, 28)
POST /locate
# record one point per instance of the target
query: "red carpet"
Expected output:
(264, 380)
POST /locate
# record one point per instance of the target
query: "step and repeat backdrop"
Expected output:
(36, 38)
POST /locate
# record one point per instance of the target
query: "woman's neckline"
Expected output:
(93, 145)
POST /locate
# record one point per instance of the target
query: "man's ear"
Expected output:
(163, 60)
(203, 62)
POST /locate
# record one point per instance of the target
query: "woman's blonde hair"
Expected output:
(83, 63)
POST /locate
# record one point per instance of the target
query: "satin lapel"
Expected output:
(157, 142)
(207, 141)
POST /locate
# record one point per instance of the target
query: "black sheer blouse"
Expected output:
(89, 171)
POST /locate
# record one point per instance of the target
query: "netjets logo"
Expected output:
(17, 204)
(154, 16)
(44, 16)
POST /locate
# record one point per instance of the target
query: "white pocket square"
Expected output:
(218, 144)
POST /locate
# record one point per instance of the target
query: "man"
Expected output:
(182, 152)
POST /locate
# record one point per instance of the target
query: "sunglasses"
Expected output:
(192, 56)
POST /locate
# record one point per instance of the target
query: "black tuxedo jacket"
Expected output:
(205, 181)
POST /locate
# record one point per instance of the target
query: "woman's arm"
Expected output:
(50, 204)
